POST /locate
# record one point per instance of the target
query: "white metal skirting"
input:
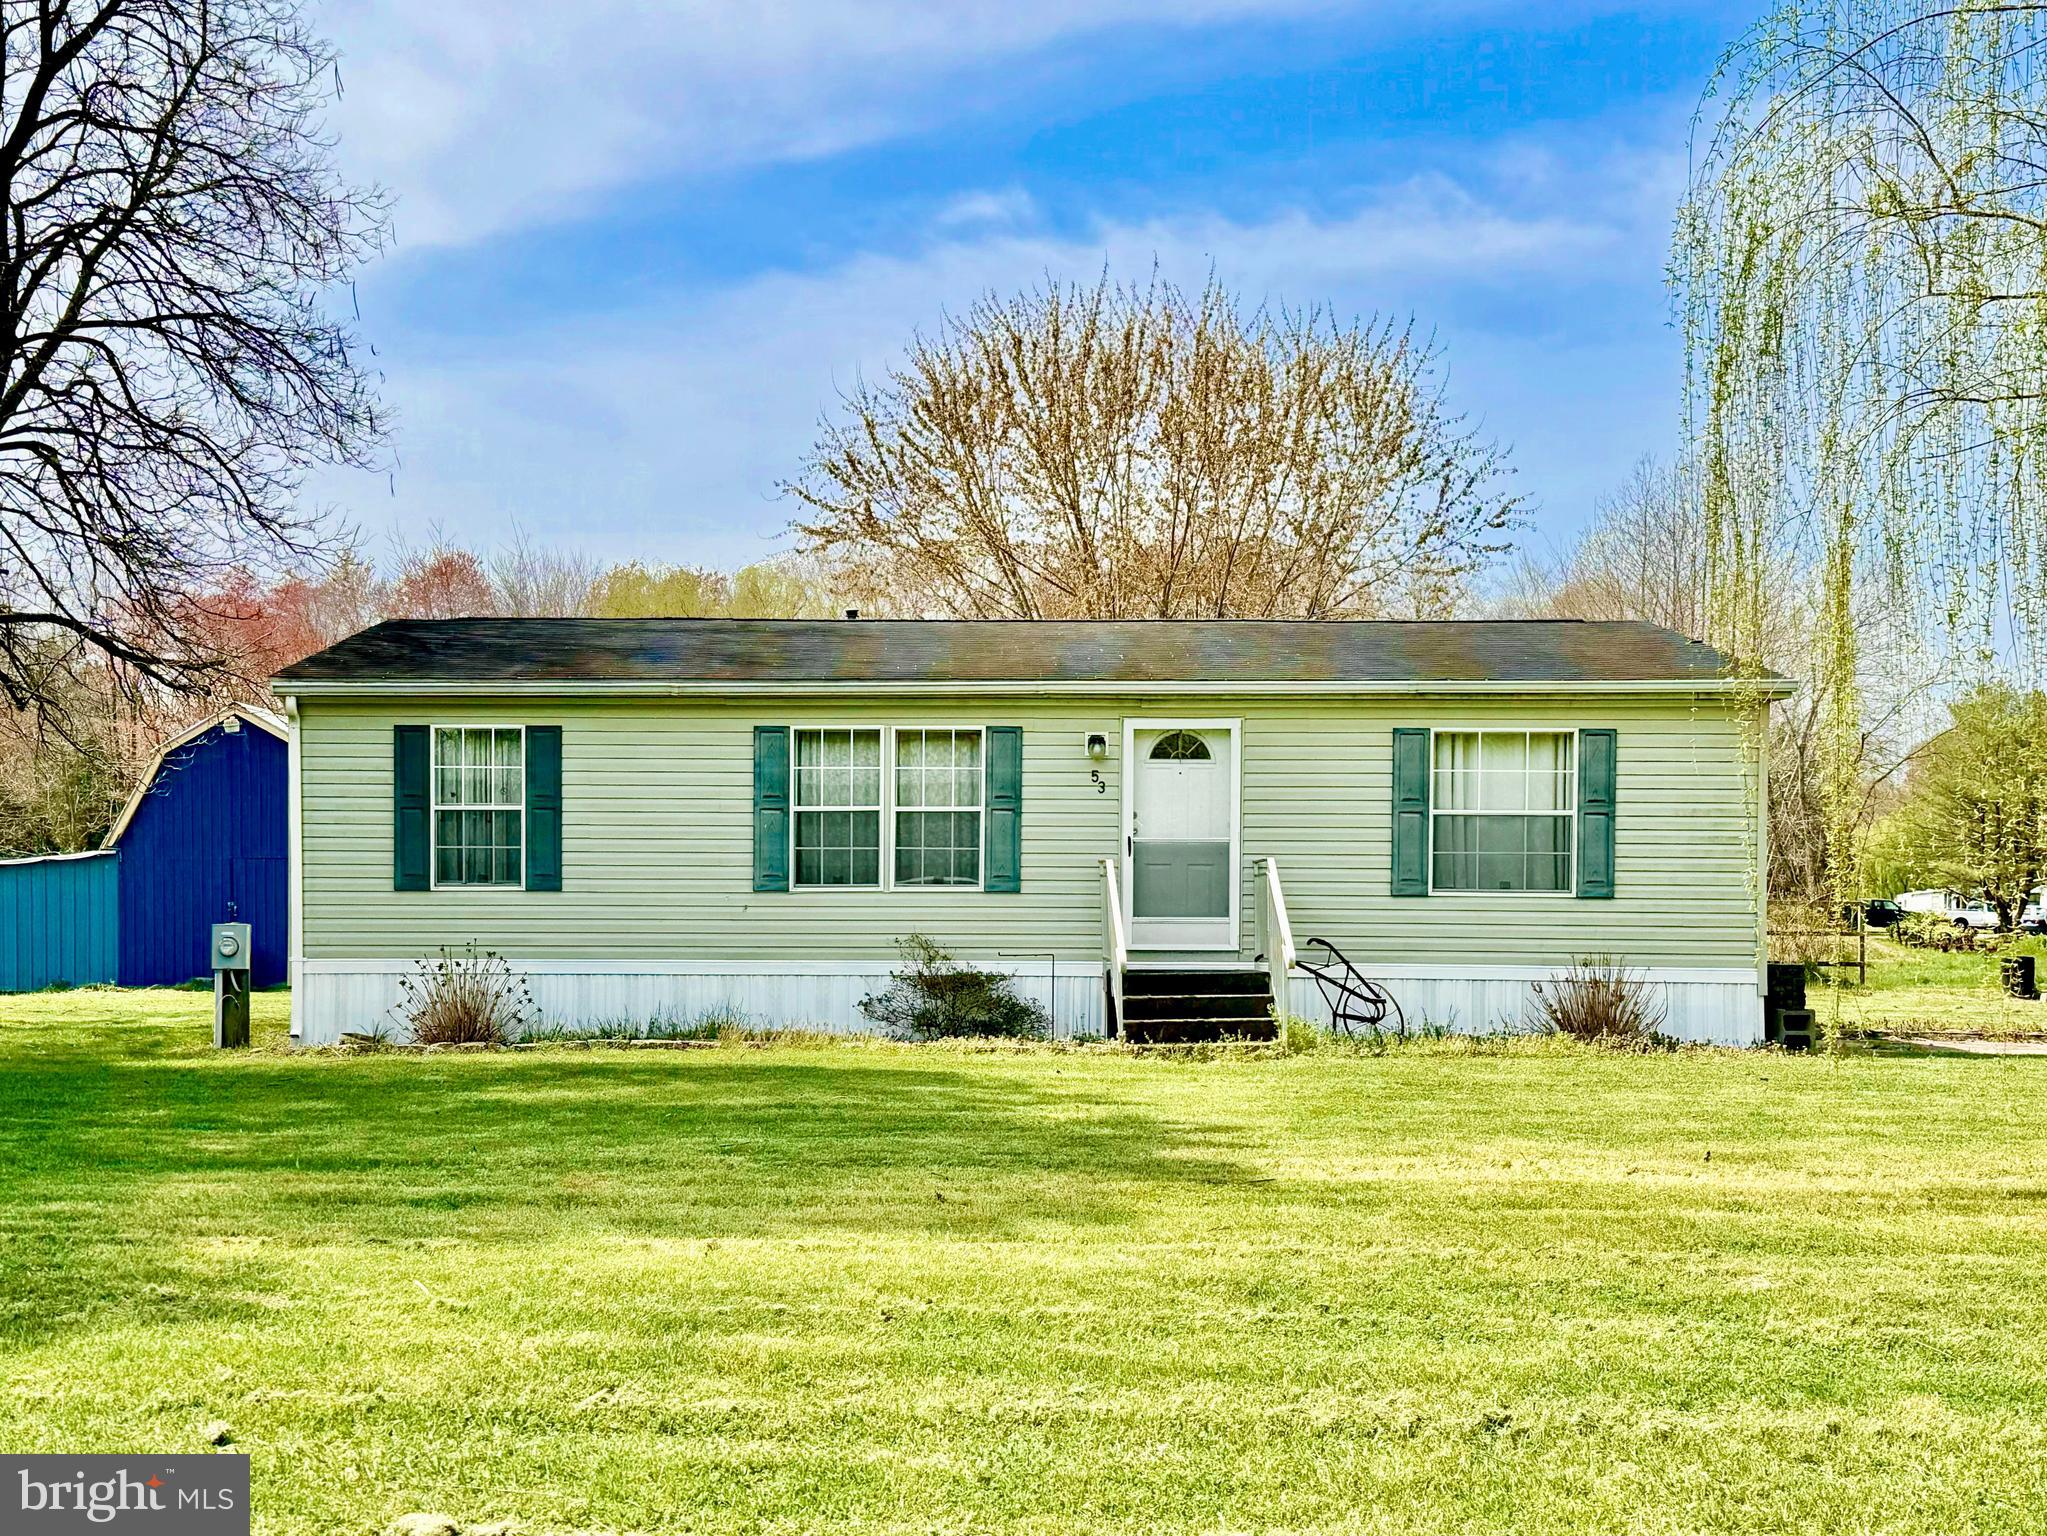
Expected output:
(1709, 1006)
(1701, 1006)
(334, 996)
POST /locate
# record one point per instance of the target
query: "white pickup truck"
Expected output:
(1979, 915)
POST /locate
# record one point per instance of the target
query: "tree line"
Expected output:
(60, 789)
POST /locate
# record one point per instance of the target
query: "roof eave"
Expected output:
(1758, 688)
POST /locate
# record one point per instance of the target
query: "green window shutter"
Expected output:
(1595, 813)
(1003, 866)
(1411, 811)
(410, 841)
(771, 807)
(543, 807)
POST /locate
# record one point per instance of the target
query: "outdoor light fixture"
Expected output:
(1097, 745)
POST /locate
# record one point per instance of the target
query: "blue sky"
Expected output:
(640, 248)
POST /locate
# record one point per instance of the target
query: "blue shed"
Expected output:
(203, 840)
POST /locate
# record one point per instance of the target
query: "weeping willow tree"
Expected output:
(1861, 268)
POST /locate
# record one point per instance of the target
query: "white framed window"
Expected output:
(479, 805)
(836, 798)
(1503, 811)
(876, 808)
(938, 806)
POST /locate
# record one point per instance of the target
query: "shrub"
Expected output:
(1601, 1000)
(934, 997)
(464, 998)
(1928, 930)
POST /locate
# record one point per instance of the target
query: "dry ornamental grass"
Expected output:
(465, 997)
(1601, 1001)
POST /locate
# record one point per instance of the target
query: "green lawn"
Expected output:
(1926, 992)
(1898, 966)
(914, 1289)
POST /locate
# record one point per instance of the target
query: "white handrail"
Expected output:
(1115, 943)
(1275, 934)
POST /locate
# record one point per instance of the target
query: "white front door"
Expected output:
(1180, 845)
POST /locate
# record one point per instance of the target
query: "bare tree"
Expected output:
(347, 597)
(1113, 452)
(1642, 557)
(530, 581)
(173, 224)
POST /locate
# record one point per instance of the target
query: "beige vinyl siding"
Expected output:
(657, 835)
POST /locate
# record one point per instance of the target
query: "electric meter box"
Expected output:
(230, 946)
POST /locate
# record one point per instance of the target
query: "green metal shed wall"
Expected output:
(60, 921)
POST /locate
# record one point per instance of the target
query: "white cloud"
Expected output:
(982, 210)
(663, 432)
(484, 115)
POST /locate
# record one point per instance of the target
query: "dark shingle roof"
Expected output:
(1136, 652)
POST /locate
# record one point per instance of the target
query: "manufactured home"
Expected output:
(672, 817)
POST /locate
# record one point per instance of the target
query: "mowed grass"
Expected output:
(1929, 993)
(911, 1289)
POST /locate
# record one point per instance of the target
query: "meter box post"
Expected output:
(230, 984)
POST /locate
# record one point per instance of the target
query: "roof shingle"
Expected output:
(1238, 652)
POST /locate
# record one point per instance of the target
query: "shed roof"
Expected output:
(262, 719)
(657, 655)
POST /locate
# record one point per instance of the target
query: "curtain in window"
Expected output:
(479, 793)
(1502, 804)
(1456, 786)
(1549, 773)
(838, 807)
(938, 807)
(509, 771)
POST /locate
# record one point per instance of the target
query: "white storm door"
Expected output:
(1180, 846)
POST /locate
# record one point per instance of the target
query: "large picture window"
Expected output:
(838, 808)
(1504, 806)
(479, 805)
(874, 808)
(938, 807)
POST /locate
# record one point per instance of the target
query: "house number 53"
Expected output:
(1095, 778)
